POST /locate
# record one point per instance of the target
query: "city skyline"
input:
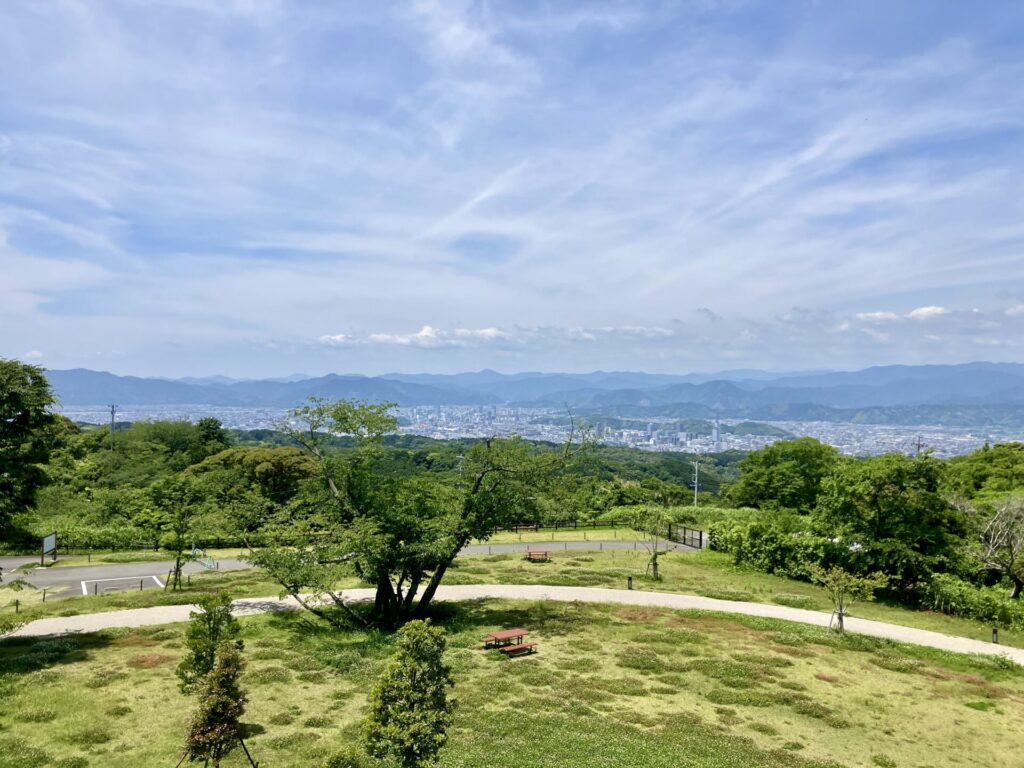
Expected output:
(257, 188)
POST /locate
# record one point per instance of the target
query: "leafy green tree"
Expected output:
(214, 731)
(410, 709)
(208, 629)
(397, 525)
(891, 508)
(784, 475)
(990, 470)
(26, 434)
(844, 589)
(177, 500)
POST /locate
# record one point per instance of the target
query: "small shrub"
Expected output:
(37, 716)
(73, 762)
(269, 675)
(21, 754)
(896, 663)
(347, 758)
(819, 711)
(318, 721)
(883, 762)
(641, 659)
(90, 737)
(981, 706)
(796, 601)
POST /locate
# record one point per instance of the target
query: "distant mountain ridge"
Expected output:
(980, 390)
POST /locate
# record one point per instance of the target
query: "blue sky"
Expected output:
(252, 187)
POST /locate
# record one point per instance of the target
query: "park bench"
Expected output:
(538, 555)
(520, 649)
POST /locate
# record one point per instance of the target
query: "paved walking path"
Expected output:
(139, 617)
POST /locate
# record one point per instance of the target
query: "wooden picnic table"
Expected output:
(538, 554)
(505, 636)
(510, 641)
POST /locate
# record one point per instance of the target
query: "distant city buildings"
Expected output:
(445, 422)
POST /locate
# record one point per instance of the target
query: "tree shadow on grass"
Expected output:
(25, 655)
(551, 618)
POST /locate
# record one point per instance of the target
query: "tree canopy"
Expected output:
(785, 475)
(26, 432)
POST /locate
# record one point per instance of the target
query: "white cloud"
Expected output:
(337, 340)
(926, 313)
(35, 354)
(427, 336)
(485, 334)
(877, 317)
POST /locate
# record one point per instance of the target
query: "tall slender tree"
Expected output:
(215, 731)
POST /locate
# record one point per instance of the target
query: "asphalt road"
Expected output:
(110, 577)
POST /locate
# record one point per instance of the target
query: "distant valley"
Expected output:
(952, 395)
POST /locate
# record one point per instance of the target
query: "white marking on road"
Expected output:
(85, 589)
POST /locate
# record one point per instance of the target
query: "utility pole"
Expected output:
(113, 412)
(920, 446)
(696, 481)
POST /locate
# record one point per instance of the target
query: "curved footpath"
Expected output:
(140, 617)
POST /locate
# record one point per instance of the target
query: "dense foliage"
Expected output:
(208, 628)
(27, 432)
(410, 707)
(342, 496)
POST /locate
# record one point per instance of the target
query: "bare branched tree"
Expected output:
(1003, 542)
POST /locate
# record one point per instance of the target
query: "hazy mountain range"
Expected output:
(973, 393)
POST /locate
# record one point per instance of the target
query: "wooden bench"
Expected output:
(538, 555)
(519, 650)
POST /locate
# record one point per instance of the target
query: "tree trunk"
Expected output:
(428, 593)
(1018, 587)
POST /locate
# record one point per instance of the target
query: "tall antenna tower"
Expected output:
(696, 480)
(113, 412)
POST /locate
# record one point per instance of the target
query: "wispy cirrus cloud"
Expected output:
(183, 184)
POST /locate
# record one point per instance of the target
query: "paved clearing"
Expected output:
(108, 576)
(139, 617)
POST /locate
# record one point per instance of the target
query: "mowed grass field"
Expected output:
(611, 686)
(703, 573)
(706, 573)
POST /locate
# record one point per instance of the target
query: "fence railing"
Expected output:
(680, 534)
(691, 537)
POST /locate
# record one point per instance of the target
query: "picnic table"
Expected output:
(535, 555)
(511, 642)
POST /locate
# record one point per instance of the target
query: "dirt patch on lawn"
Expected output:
(149, 660)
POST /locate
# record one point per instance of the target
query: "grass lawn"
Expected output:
(701, 573)
(619, 687)
(564, 534)
(136, 556)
